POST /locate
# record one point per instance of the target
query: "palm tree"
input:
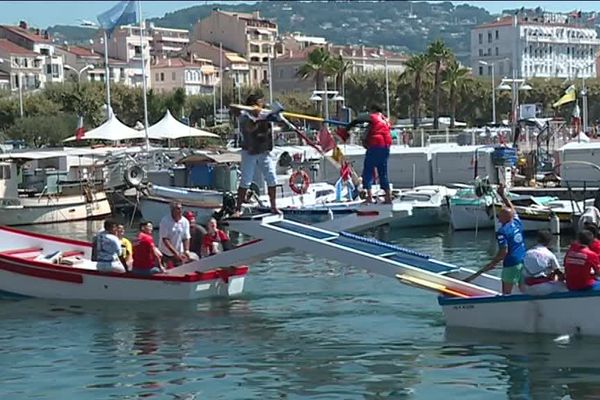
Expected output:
(438, 53)
(417, 70)
(316, 67)
(338, 68)
(455, 80)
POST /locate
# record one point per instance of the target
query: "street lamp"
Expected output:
(493, 64)
(523, 85)
(79, 71)
(584, 102)
(323, 95)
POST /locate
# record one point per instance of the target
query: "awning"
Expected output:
(211, 158)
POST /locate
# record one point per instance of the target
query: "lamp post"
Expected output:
(584, 99)
(522, 85)
(320, 95)
(493, 65)
(79, 71)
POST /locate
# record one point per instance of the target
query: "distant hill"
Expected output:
(398, 25)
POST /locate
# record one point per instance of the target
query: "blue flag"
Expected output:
(123, 13)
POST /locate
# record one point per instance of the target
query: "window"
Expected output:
(137, 50)
(46, 52)
(481, 38)
(480, 70)
(5, 172)
(55, 71)
(489, 51)
(480, 52)
(496, 51)
(254, 48)
(255, 75)
(265, 76)
(173, 75)
(489, 37)
(48, 69)
(162, 76)
(497, 34)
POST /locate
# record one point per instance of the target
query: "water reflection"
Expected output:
(534, 366)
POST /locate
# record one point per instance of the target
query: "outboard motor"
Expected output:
(228, 206)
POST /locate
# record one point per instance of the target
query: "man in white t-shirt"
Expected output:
(541, 267)
(174, 233)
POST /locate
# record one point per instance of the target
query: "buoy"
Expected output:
(554, 224)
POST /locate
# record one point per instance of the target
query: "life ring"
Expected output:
(302, 186)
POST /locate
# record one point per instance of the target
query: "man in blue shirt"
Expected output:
(511, 246)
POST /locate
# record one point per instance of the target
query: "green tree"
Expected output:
(438, 54)
(455, 79)
(44, 129)
(416, 72)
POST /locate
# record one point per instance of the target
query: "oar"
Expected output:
(429, 285)
(294, 115)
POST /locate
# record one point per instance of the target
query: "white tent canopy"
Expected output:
(169, 128)
(112, 130)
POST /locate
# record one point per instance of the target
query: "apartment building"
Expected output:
(235, 67)
(543, 46)
(40, 43)
(195, 77)
(297, 42)
(79, 57)
(167, 41)
(21, 65)
(249, 35)
(362, 59)
(125, 45)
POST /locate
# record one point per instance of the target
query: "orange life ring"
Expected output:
(302, 186)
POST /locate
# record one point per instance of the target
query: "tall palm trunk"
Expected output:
(417, 102)
(436, 105)
(452, 107)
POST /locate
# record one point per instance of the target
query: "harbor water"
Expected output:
(306, 328)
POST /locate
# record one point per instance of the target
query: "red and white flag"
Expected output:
(325, 139)
(80, 132)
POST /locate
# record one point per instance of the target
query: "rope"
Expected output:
(384, 244)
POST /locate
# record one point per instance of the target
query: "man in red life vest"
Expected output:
(146, 256)
(582, 265)
(377, 142)
(215, 240)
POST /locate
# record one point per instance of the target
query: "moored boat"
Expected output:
(36, 265)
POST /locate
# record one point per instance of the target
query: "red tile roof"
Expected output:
(176, 63)
(12, 48)
(27, 34)
(81, 51)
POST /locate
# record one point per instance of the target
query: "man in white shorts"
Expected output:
(257, 143)
(540, 268)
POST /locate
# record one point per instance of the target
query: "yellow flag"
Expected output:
(337, 155)
(569, 96)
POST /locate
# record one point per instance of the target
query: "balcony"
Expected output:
(553, 39)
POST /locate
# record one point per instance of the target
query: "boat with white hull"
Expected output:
(70, 203)
(469, 211)
(429, 206)
(37, 265)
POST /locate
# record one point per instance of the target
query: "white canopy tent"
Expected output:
(113, 130)
(169, 128)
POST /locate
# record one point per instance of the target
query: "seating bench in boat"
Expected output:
(19, 252)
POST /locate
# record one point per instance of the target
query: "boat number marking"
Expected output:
(463, 307)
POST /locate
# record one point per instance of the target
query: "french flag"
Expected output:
(80, 132)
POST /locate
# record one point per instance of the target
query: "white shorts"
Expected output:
(264, 161)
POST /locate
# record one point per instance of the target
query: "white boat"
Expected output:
(69, 203)
(154, 203)
(37, 265)
(469, 211)
(429, 206)
(559, 313)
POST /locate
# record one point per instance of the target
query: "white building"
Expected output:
(545, 46)
(167, 41)
(198, 77)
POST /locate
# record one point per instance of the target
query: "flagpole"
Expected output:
(221, 80)
(144, 76)
(387, 89)
(107, 77)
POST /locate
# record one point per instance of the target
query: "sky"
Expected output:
(47, 13)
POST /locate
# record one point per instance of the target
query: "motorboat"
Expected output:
(430, 206)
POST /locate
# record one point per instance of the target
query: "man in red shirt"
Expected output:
(595, 245)
(582, 265)
(215, 240)
(146, 256)
(377, 143)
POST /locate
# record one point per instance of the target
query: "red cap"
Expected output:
(189, 215)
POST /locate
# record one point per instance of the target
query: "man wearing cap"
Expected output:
(174, 233)
(197, 233)
(257, 143)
